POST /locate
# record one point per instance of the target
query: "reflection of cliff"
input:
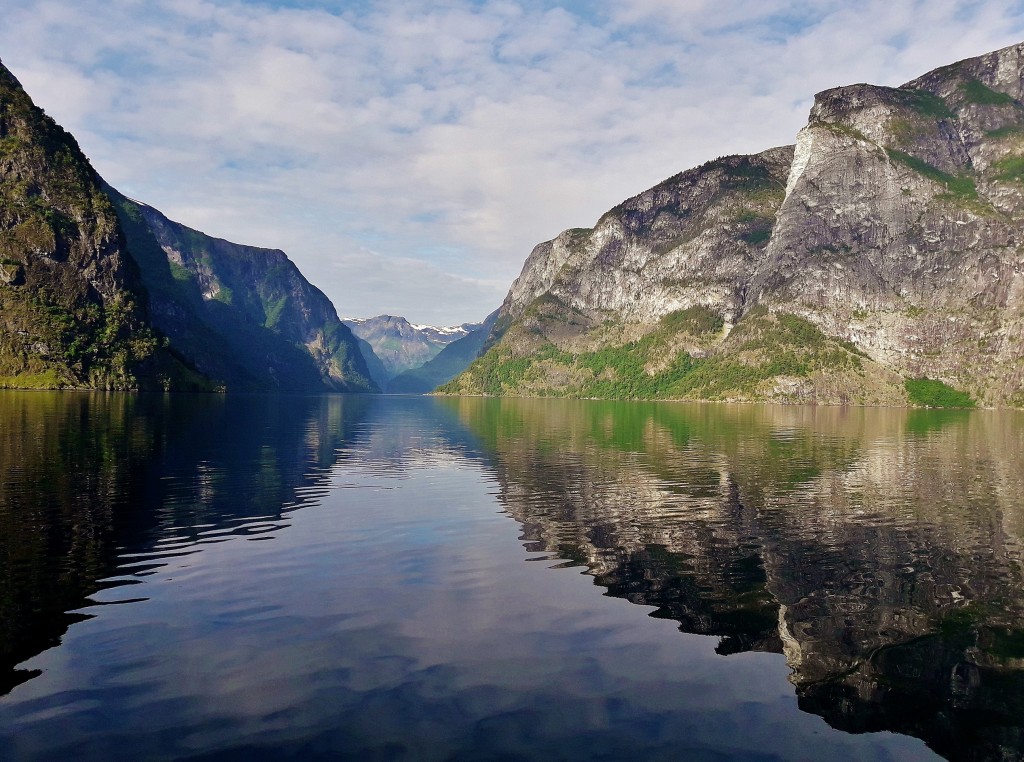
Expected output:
(87, 478)
(880, 551)
(908, 615)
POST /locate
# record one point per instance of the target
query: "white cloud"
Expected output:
(408, 155)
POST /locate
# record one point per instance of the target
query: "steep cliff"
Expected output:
(878, 262)
(244, 316)
(98, 291)
(71, 302)
(901, 228)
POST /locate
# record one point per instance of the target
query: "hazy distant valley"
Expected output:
(398, 351)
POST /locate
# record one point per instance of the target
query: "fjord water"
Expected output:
(208, 577)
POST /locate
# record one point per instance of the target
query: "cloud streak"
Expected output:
(408, 155)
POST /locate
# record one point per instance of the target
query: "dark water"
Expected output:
(407, 578)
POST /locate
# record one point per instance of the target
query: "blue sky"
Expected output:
(408, 155)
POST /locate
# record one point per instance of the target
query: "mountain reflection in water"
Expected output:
(878, 551)
(99, 490)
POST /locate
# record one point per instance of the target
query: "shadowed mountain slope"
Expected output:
(98, 291)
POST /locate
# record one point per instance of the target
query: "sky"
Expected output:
(408, 155)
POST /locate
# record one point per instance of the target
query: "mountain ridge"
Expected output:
(400, 345)
(879, 253)
(446, 364)
(99, 291)
(277, 330)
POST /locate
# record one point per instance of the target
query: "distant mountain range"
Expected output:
(393, 347)
(880, 260)
(446, 364)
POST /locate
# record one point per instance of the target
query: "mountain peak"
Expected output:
(879, 256)
(401, 345)
(1000, 70)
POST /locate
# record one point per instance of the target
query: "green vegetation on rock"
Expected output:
(928, 392)
(758, 237)
(842, 129)
(1010, 168)
(1009, 130)
(977, 92)
(695, 320)
(927, 104)
(957, 186)
(761, 348)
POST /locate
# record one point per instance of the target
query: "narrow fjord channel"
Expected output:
(357, 577)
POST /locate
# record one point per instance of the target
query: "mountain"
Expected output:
(378, 373)
(877, 261)
(100, 291)
(72, 305)
(242, 315)
(447, 364)
(400, 345)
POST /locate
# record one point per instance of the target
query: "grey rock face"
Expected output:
(901, 227)
(688, 241)
(895, 224)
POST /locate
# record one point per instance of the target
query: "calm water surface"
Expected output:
(206, 577)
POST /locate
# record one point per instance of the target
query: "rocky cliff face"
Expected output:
(71, 303)
(688, 241)
(901, 227)
(884, 247)
(97, 290)
(243, 315)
